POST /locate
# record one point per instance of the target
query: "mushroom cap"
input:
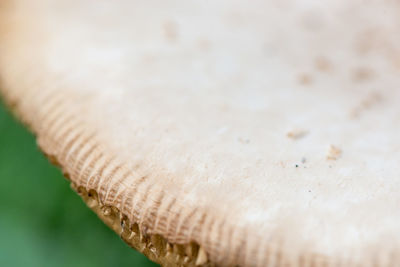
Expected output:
(262, 133)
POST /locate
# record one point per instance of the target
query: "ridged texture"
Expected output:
(90, 170)
(197, 196)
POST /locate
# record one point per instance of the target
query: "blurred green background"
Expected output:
(43, 222)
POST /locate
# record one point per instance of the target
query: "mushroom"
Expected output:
(152, 128)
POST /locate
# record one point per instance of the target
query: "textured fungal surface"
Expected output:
(153, 246)
(262, 133)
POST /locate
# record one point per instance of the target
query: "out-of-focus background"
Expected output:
(43, 222)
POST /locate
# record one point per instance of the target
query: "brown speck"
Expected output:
(334, 153)
(171, 31)
(297, 134)
(322, 64)
(362, 74)
(305, 79)
(367, 41)
(368, 102)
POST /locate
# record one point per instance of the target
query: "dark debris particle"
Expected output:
(297, 165)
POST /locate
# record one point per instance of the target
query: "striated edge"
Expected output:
(142, 222)
(72, 148)
(146, 217)
(154, 246)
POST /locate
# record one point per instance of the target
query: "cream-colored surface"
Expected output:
(265, 131)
